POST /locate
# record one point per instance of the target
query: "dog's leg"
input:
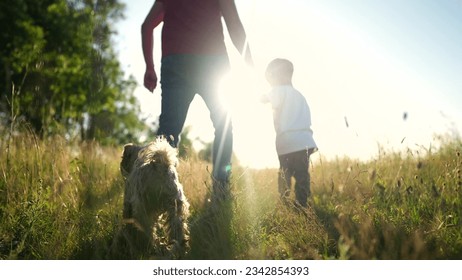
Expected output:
(178, 230)
(142, 222)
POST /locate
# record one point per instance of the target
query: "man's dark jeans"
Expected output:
(182, 76)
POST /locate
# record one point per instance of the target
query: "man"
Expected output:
(194, 58)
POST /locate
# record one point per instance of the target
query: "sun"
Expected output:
(240, 92)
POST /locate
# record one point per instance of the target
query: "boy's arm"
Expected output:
(235, 28)
(153, 19)
(274, 98)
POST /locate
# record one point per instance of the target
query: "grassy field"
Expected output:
(63, 200)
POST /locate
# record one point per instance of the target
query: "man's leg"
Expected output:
(214, 68)
(222, 145)
(222, 149)
(177, 95)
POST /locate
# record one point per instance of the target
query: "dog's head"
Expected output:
(156, 155)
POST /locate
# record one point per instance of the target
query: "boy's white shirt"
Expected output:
(292, 119)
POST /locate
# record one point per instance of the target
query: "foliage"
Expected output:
(63, 200)
(61, 72)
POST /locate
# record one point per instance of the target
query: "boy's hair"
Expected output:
(280, 69)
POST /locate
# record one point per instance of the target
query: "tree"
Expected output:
(61, 72)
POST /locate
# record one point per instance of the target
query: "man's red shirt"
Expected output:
(192, 27)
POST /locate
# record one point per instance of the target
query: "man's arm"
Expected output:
(235, 28)
(153, 19)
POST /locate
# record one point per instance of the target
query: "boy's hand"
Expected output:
(150, 79)
(264, 98)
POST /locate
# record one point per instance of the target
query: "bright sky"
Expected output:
(361, 62)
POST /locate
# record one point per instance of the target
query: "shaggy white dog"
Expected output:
(153, 194)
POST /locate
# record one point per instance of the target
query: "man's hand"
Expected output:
(150, 79)
(248, 57)
(153, 19)
(236, 29)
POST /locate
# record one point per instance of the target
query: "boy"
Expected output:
(294, 137)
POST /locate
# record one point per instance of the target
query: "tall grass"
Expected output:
(56, 198)
(399, 206)
(63, 200)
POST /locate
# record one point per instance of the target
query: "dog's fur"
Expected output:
(153, 193)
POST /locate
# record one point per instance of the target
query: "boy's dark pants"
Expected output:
(295, 165)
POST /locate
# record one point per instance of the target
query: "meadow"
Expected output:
(61, 199)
